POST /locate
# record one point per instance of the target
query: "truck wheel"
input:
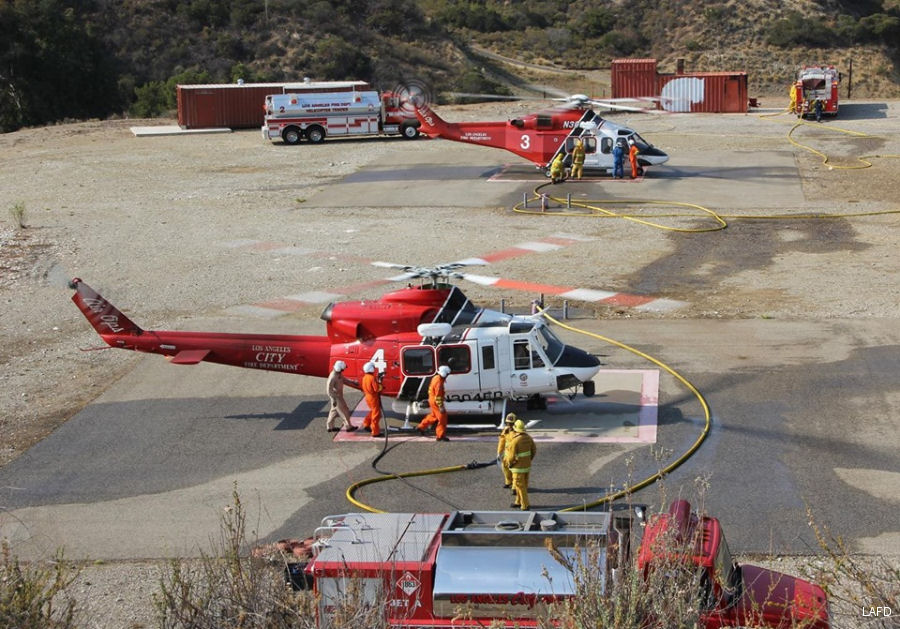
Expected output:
(291, 135)
(409, 132)
(315, 134)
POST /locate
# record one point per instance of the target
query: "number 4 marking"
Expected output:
(378, 360)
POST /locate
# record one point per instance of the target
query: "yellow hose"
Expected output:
(603, 500)
(594, 208)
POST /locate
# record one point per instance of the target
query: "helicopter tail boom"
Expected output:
(107, 320)
(300, 354)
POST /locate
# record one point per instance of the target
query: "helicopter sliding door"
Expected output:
(488, 372)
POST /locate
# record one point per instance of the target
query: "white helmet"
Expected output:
(443, 371)
(369, 367)
(339, 365)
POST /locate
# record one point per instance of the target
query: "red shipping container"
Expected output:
(709, 92)
(239, 105)
(633, 78)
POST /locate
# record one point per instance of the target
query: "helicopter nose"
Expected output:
(575, 358)
(654, 156)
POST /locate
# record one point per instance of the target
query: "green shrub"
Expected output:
(35, 596)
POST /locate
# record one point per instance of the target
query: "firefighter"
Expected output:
(371, 388)
(578, 159)
(618, 160)
(632, 157)
(506, 434)
(438, 414)
(793, 106)
(335, 387)
(520, 451)
(818, 106)
(556, 169)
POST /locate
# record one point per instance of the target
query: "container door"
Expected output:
(207, 110)
(733, 96)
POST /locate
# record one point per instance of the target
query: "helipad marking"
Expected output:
(625, 410)
(587, 294)
(254, 311)
(539, 247)
(553, 242)
(314, 297)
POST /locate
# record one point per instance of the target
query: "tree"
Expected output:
(52, 66)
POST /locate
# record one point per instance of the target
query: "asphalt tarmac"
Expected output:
(803, 414)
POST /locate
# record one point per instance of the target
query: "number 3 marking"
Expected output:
(526, 142)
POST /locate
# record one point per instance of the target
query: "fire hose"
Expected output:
(647, 211)
(605, 499)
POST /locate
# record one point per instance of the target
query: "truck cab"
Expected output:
(731, 594)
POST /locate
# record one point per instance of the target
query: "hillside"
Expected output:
(94, 58)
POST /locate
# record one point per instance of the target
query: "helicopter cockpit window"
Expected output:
(641, 142)
(521, 355)
(606, 145)
(525, 356)
(418, 361)
(456, 357)
(550, 343)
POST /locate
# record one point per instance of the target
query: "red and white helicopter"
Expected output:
(408, 333)
(540, 137)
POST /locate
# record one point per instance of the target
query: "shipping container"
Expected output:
(709, 92)
(633, 78)
(239, 105)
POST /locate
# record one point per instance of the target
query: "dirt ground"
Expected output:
(157, 224)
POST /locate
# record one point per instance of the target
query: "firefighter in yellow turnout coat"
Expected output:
(506, 435)
(520, 451)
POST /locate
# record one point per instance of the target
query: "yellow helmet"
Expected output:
(519, 426)
(510, 419)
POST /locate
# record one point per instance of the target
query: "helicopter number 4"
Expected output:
(407, 334)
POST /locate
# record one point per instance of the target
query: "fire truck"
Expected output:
(817, 83)
(471, 569)
(317, 110)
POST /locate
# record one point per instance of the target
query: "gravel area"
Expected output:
(157, 225)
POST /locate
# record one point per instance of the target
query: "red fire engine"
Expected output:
(423, 568)
(336, 108)
(817, 83)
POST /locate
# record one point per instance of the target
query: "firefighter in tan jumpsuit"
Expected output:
(578, 160)
(505, 435)
(335, 387)
(556, 169)
(438, 414)
(520, 451)
(371, 388)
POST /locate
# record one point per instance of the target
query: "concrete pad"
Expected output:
(717, 179)
(143, 132)
(624, 410)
